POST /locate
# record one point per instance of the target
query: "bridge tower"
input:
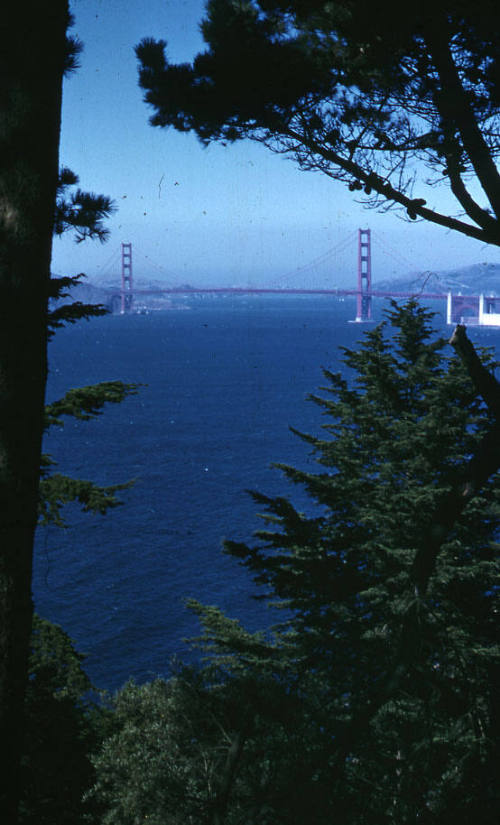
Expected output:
(127, 285)
(364, 296)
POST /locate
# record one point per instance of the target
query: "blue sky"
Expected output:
(223, 215)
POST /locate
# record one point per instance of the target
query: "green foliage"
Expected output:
(154, 767)
(69, 313)
(84, 214)
(56, 489)
(61, 728)
(85, 403)
(81, 212)
(204, 749)
(375, 700)
(55, 665)
(405, 679)
(374, 95)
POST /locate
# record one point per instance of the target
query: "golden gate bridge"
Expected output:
(475, 307)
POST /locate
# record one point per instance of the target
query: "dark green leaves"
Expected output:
(375, 95)
(83, 212)
(87, 402)
(57, 490)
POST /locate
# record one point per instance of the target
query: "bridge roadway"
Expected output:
(240, 290)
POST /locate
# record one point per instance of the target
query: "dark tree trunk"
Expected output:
(32, 53)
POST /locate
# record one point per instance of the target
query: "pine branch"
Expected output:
(58, 490)
(71, 313)
(83, 212)
(463, 196)
(85, 403)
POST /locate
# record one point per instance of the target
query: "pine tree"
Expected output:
(374, 701)
(34, 54)
(397, 681)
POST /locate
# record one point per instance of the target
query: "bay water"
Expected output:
(222, 383)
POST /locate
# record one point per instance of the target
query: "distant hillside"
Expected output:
(87, 293)
(107, 293)
(471, 280)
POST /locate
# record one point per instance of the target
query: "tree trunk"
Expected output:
(32, 54)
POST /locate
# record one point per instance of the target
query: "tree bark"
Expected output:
(32, 55)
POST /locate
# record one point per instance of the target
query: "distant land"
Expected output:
(471, 280)
(106, 293)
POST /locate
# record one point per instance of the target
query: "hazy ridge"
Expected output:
(469, 280)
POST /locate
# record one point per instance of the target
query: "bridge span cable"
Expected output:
(419, 282)
(393, 253)
(336, 250)
(111, 265)
(161, 269)
(420, 279)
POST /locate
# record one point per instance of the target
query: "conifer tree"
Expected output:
(35, 203)
(374, 700)
(392, 101)
(402, 667)
(34, 54)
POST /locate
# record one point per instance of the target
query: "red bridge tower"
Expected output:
(127, 285)
(364, 295)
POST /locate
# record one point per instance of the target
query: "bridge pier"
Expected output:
(473, 310)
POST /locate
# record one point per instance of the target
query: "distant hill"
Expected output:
(107, 293)
(87, 293)
(470, 280)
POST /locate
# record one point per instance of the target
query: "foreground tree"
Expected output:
(375, 701)
(63, 721)
(375, 95)
(31, 72)
(206, 748)
(406, 662)
(395, 656)
(36, 202)
(62, 726)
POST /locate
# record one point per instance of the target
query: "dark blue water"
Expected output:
(224, 380)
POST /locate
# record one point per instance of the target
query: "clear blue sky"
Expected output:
(236, 215)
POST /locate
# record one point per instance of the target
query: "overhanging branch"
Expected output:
(454, 106)
(484, 380)
(415, 207)
(469, 205)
